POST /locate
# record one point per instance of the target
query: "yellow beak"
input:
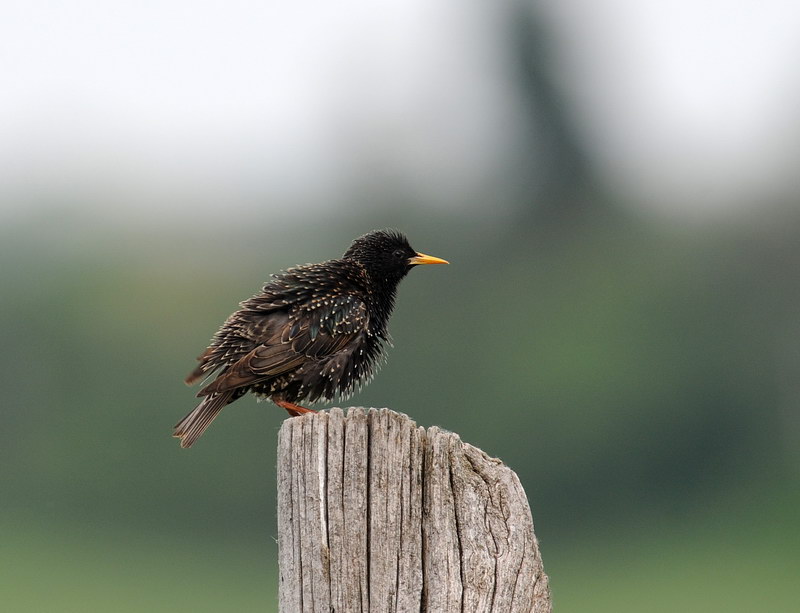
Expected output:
(421, 258)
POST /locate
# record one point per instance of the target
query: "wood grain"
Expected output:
(376, 514)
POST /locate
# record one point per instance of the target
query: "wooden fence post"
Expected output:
(376, 514)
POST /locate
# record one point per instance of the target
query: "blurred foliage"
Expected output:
(629, 371)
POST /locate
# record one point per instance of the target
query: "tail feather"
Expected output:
(191, 427)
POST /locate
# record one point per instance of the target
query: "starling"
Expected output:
(313, 332)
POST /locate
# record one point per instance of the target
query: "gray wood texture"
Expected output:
(376, 514)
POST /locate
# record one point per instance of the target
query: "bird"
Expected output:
(313, 332)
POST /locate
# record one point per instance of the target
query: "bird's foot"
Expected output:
(295, 410)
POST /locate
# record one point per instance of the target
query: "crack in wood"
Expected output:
(377, 514)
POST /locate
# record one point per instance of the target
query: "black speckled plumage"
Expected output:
(314, 332)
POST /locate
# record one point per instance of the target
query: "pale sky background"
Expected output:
(184, 108)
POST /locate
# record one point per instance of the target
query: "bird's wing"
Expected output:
(239, 335)
(314, 331)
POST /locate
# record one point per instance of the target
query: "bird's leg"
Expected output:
(295, 410)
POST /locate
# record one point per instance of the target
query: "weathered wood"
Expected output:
(376, 514)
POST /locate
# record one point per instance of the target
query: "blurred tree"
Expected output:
(560, 184)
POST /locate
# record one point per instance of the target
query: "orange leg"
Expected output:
(295, 410)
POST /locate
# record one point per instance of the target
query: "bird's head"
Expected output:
(387, 256)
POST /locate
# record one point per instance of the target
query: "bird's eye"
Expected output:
(399, 254)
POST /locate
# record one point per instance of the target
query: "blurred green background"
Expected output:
(630, 349)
